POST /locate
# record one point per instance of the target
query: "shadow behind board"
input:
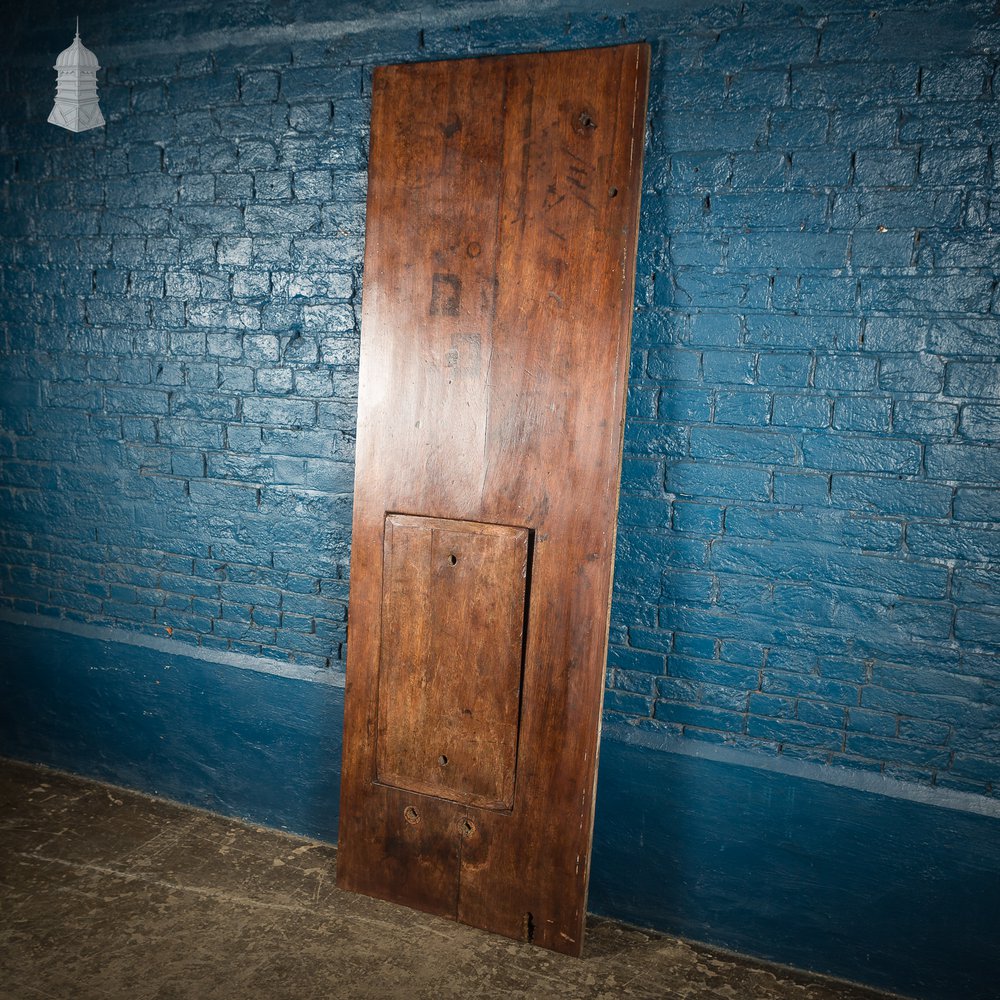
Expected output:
(499, 270)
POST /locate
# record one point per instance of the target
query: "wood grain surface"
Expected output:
(499, 269)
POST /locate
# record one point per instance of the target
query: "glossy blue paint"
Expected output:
(894, 892)
(809, 516)
(241, 742)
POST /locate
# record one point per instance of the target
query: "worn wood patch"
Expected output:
(499, 268)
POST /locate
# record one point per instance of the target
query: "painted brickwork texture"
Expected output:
(809, 536)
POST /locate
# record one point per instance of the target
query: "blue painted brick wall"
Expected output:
(809, 535)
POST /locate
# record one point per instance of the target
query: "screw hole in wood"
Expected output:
(411, 815)
(453, 559)
(443, 760)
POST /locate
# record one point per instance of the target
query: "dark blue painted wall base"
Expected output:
(890, 891)
(897, 890)
(244, 743)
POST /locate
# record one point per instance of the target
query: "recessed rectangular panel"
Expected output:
(502, 218)
(453, 599)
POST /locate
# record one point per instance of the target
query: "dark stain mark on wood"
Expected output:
(452, 127)
(584, 123)
(446, 294)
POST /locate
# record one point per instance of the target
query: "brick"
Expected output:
(223, 316)
(719, 130)
(700, 716)
(751, 409)
(924, 731)
(879, 250)
(868, 126)
(204, 405)
(855, 453)
(293, 219)
(319, 285)
(258, 86)
(862, 413)
(706, 480)
(885, 168)
(725, 367)
(864, 720)
(815, 713)
(815, 525)
(699, 171)
(953, 542)
(972, 379)
(260, 348)
(731, 444)
(954, 293)
(923, 373)
(674, 366)
(683, 587)
(945, 166)
(796, 733)
(726, 675)
(704, 250)
(328, 318)
(640, 660)
(339, 350)
(798, 129)
(793, 209)
(648, 512)
(799, 561)
(677, 405)
(896, 210)
(628, 703)
(845, 371)
(784, 369)
(758, 171)
(697, 518)
(192, 220)
(623, 680)
(809, 411)
(280, 412)
(136, 401)
(819, 168)
(919, 418)
(978, 465)
(798, 685)
(981, 422)
(957, 125)
(977, 505)
(897, 750)
(804, 332)
(641, 475)
(313, 185)
(773, 706)
(808, 488)
(889, 334)
(890, 495)
(835, 85)
(190, 433)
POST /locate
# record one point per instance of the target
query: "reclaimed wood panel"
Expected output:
(499, 269)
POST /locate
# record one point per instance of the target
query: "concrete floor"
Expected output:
(105, 893)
